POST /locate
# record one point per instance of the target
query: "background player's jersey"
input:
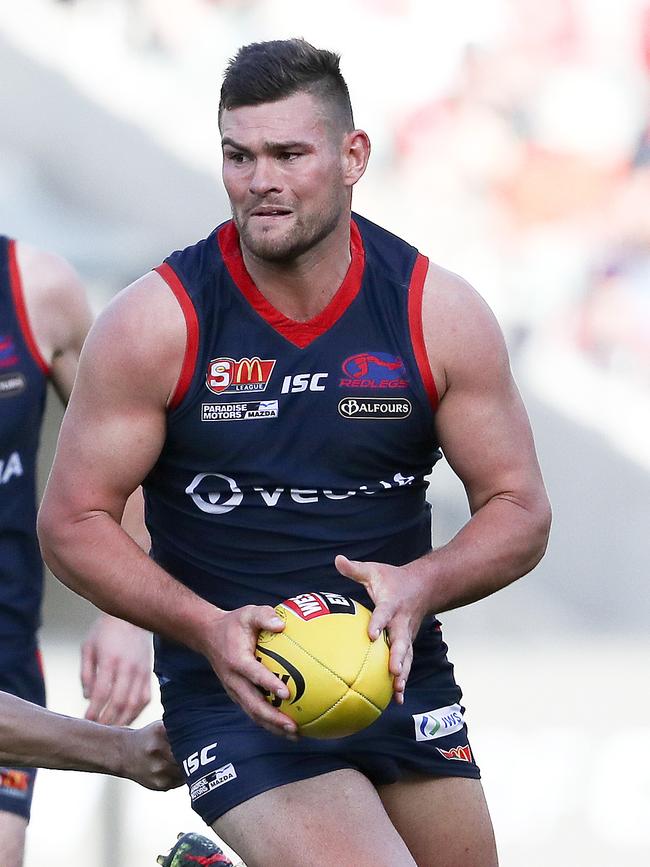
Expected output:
(23, 377)
(288, 442)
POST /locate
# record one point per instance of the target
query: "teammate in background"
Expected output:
(44, 318)
(31, 736)
(246, 507)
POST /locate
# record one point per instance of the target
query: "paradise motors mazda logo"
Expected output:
(374, 407)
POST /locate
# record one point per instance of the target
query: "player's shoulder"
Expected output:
(463, 337)
(140, 336)
(47, 278)
(146, 311)
(452, 303)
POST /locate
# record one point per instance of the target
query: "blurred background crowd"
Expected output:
(511, 143)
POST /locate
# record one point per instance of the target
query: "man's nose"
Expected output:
(266, 178)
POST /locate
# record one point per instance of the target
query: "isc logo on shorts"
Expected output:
(212, 781)
(438, 723)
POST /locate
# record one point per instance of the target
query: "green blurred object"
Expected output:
(194, 849)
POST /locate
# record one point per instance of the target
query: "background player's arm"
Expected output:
(486, 438)
(116, 656)
(31, 736)
(111, 436)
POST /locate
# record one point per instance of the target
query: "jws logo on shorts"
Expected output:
(438, 723)
(203, 757)
(374, 407)
(226, 375)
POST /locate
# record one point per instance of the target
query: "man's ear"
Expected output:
(356, 152)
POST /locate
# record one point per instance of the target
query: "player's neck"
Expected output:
(301, 289)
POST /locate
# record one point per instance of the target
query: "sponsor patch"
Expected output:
(310, 605)
(11, 384)
(460, 754)
(212, 781)
(8, 356)
(239, 411)
(438, 723)
(373, 370)
(10, 468)
(227, 375)
(14, 783)
(374, 407)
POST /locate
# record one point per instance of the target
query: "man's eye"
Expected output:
(289, 156)
(236, 157)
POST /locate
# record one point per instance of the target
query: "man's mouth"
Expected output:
(270, 211)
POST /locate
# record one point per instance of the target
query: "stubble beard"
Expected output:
(301, 237)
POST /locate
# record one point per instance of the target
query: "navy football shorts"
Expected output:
(22, 676)
(227, 758)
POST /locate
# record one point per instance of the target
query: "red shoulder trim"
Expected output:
(192, 331)
(416, 289)
(18, 296)
(301, 334)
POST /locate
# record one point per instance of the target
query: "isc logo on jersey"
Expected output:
(227, 375)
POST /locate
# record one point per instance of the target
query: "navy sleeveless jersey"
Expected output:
(288, 443)
(23, 378)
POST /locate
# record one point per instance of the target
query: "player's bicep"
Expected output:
(486, 438)
(114, 426)
(481, 422)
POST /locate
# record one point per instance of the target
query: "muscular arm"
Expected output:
(485, 435)
(484, 432)
(111, 436)
(31, 736)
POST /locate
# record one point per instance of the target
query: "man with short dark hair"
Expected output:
(253, 407)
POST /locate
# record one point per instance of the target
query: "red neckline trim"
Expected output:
(301, 334)
(416, 290)
(20, 306)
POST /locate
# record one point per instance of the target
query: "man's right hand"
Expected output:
(230, 648)
(147, 758)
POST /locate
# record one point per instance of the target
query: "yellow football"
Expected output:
(338, 678)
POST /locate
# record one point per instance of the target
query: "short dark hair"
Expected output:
(270, 71)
